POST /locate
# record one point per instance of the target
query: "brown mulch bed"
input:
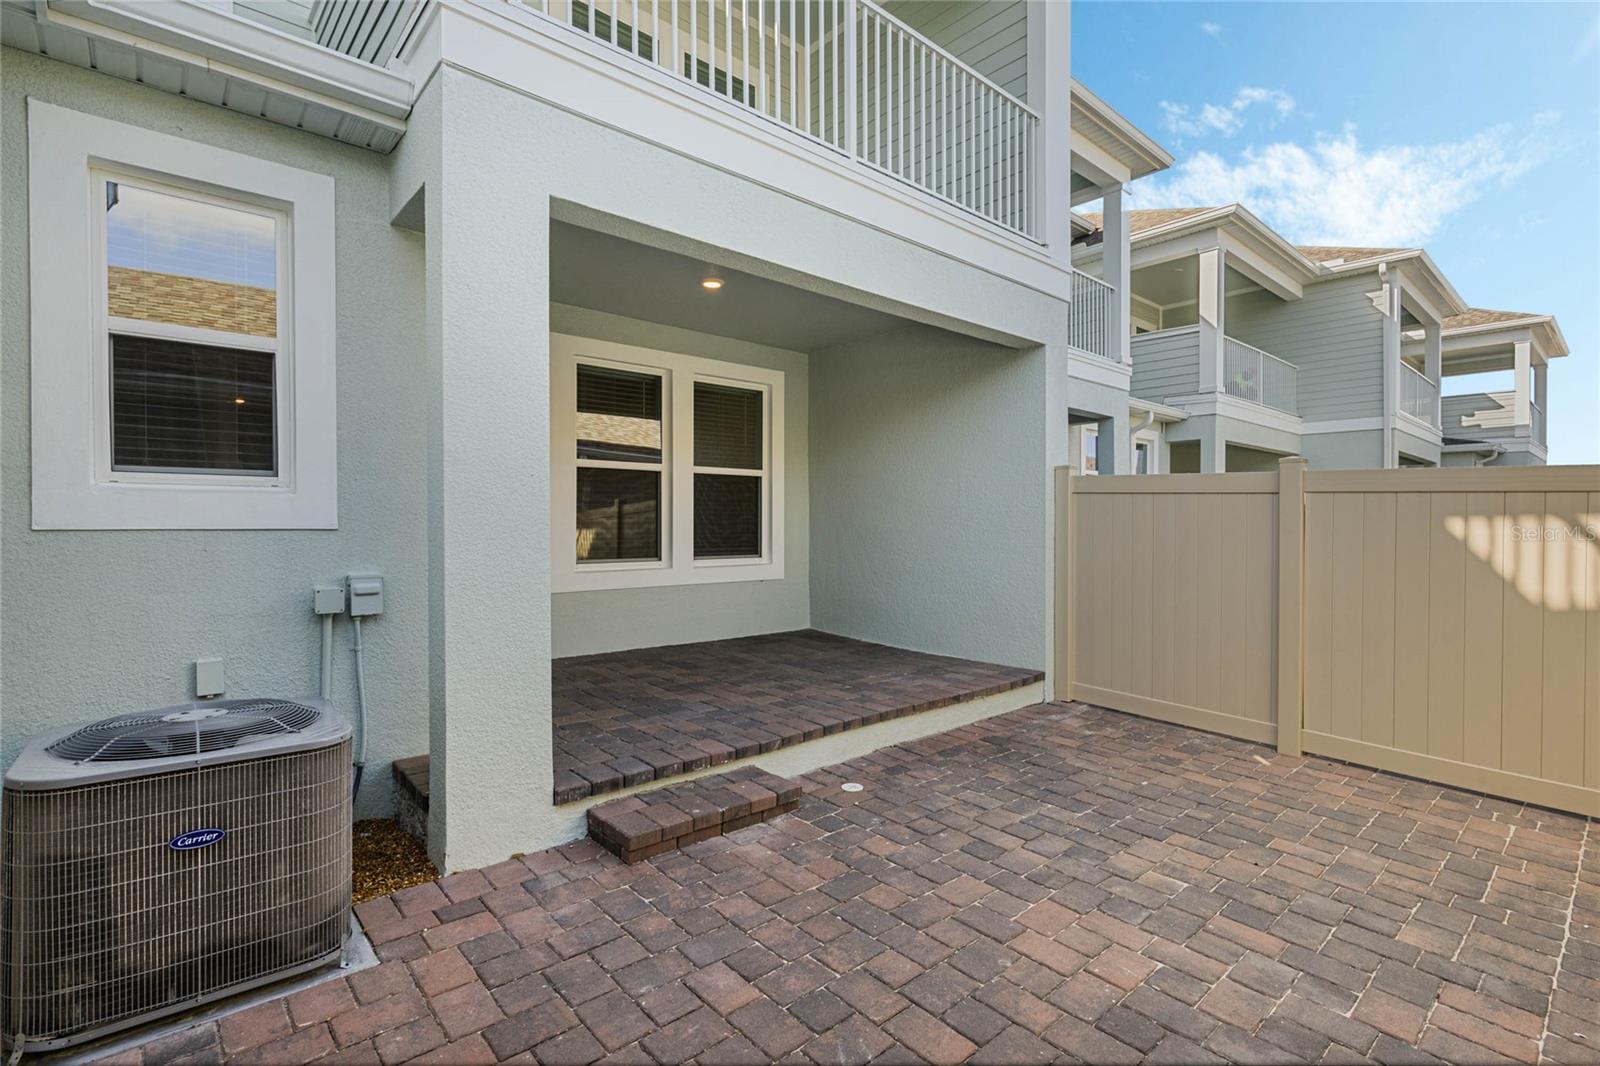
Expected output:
(384, 859)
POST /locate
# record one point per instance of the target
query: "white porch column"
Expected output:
(1524, 382)
(1392, 315)
(1050, 94)
(1212, 274)
(488, 371)
(1433, 363)
(1541, 396)
(1116, 271)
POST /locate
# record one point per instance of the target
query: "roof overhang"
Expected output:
(1253, 247)
(1543, 330)
(1492, 346)
(1162, 412)
(1107, 148)
(215, 56)
(1422, 278)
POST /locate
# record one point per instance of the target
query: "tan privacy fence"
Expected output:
(1438, 623)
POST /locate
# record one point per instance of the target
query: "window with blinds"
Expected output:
(192, 328)
(672, 469)
(620, 461)
(729, 471)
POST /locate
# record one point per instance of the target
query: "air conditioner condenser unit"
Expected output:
(158, 860)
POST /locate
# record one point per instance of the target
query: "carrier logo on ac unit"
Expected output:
(195, 838)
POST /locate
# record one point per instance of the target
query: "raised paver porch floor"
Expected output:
(1059, 884)
(624, 718)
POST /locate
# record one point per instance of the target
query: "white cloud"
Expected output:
(1211, 29)
(1547, 118)
(1226, 119)
(1335, 191)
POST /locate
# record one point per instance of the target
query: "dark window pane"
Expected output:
(617, 512)
(619, 415)
(727, 427)
(727, 516)
(194, 407)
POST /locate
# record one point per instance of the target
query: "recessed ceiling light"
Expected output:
(238, 399)
(711, 284)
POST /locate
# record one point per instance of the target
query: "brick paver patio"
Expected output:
(1059, 884)
(628, 717)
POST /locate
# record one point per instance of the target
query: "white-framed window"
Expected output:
(666, 468)
(182, 323)
(1091, 449)
(1144, 456)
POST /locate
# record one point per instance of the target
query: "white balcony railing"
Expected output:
(1258, 376)
(1419, 397)
(1091, 323)
(848, 75)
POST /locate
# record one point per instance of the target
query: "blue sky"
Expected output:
(1472, 130)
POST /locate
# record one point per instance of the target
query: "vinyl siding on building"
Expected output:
(1166, 364)
(1480, 415)
(1334, 335)
(991, 38)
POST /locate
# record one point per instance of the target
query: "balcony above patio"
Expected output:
(1167, 369)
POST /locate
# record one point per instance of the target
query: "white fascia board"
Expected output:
(1162, 412)
(1417, 428)
(1475, 448)
(1424, 273)
(1176, 246)
(223, 42)
(1246, 257)
(531, 54)
(1145, 154)
(1419, 291)
(1099, 166)
(1220, 403)
(1098, 370)
(1542, 330)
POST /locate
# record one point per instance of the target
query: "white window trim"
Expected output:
(1153, 442)
(677, 565)
(1090, 432)
(73, 487)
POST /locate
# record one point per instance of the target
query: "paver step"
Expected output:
(643, 826)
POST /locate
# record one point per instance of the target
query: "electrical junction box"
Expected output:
(366, 595)
(208, 678)
(327, 599)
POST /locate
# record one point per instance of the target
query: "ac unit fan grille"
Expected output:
(146, 735)
(103, 923)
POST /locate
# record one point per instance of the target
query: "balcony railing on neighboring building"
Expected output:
(1252, 374)
(848, 75)
(1091, 323)
(1419, 397)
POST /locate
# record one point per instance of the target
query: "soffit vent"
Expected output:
(192, 730)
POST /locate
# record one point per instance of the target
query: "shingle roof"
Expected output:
(1481, 316)
(1139, 221)
(154, 297)
(1324, 254)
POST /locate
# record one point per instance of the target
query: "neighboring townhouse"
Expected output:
(1246, 348)
(1504, 427)
(586, 327)
(1108, 152)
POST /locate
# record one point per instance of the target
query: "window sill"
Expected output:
(710, 572)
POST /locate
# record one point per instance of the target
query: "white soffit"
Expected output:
(218, 58)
